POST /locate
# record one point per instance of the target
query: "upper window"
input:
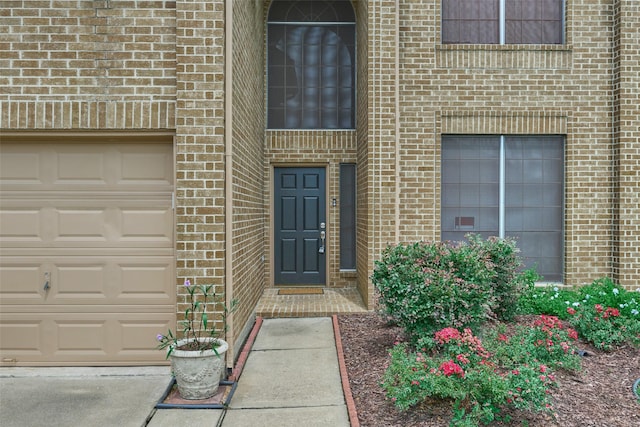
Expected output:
(503, 21)
(507, 186)
(311, 65)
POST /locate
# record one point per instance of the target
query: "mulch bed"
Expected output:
(600, 395)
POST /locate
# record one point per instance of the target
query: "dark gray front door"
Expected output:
(299, 249)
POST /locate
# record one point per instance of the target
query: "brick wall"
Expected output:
(499, 89)
(105, 64)
(247, 160)
(379, 211)
(626, 34)
(200, 145)
(363, 261)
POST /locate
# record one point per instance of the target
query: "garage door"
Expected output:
(86, 245)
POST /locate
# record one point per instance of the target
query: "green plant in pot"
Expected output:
(197, 357)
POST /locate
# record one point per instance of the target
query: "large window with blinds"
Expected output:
(503, 186)
(503, 21)
(311, 65)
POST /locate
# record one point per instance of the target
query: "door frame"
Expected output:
(271, 234)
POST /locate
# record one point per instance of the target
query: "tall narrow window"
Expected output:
(503, 21)
(507, 186)
(311, 65)
(347, 216)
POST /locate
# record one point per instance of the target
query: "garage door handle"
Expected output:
(46, 282)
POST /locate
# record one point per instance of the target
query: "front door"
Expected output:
(300, 226)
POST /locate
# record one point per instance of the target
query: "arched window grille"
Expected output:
(311, 65)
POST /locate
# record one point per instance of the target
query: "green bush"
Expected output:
(429, 286)
(551, 300)
(508, 283)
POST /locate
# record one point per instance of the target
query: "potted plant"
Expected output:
(197, 358)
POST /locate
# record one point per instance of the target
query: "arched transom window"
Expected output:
(311, 65)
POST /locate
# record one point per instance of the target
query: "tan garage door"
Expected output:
(86, 245)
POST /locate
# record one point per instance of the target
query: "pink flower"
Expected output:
(447, 334)
(503, 337)
(451, 368)
(598, 308)
(571, 310)
(573, 334)
(543, 369)
(611, 312)
(462, 359)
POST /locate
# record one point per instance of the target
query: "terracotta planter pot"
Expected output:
(198, 373)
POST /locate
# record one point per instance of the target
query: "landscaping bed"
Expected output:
(599, 395)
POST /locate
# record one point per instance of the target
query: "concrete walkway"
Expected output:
(291, 378)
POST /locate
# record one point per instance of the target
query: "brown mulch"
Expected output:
(600, 395)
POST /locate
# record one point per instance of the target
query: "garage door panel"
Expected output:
(21, 336)
(148, 225)
(145, 167)
(19, 166)
(147, 281)
(141, 167)
(88, 280)
(74, 338)
(14, 279)
(20, 225)
(85, 336)
(115, 223)
(80, 225)
(80, 165)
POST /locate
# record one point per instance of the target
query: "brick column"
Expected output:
(626, 267)
(200, 231)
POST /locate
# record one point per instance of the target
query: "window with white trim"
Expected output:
(507, 186)
(503, 21)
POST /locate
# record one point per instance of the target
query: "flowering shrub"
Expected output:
(605, 327)
(546, 342)
(555, 300)
(602, 312)
(481, 381)
(429, 286)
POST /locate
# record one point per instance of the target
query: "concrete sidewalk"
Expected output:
(290, 378)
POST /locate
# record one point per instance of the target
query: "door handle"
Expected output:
(323, 236)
